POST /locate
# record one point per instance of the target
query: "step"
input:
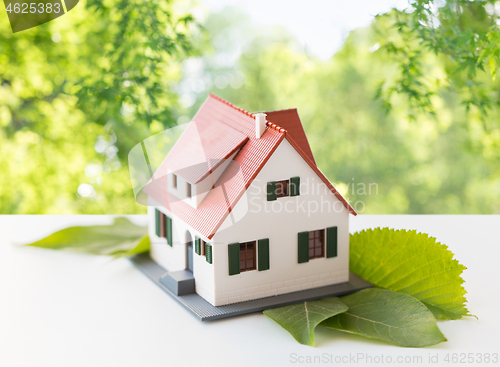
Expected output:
(179, 282)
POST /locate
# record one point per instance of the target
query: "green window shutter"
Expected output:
(233, 256)
(169, 230)
(208, 251)
(157, 222)
(197, 245)
(303, 252)
(295, 186)
(271, 191)
(263, 254)
(331, 242)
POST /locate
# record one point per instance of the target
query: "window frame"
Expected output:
(189, 190)
(245, 258)
(318, 242)
(174, 180)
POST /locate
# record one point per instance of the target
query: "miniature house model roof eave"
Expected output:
(221, 131)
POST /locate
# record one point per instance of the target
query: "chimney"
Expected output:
(260, 124)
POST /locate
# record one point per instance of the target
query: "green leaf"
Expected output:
(142, 246)
(387, 315)
(301, 319)
(411, 263)
(122, 238)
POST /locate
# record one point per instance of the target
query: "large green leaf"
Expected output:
(411, 263)
(122, 238)
(301, 319)
(387, 315)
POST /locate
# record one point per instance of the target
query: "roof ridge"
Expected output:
(275, 127)
(268, 123)
(285, 109)
(232, 105)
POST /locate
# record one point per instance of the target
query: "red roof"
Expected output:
(290, 121)
(238, 126)
(201, 149)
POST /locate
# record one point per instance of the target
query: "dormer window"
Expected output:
(179, 187)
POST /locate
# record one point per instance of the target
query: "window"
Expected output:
(188, 190)
(200, 246)
(242, 256)
(174, 180)
(316, 244)
(163, 226)
(247, 256)
(282, 188)
(160, 224)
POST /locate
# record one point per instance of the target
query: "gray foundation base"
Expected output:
(205, 311)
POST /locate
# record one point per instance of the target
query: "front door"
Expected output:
(189, 251)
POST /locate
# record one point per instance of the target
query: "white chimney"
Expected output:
(260, 124)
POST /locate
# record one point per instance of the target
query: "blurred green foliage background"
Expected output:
(409, 104)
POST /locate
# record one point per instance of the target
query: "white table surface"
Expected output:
(65, 309)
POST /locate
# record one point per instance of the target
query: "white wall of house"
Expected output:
(281, 221)
(173, 258)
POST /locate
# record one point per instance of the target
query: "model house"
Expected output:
(239, 210)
